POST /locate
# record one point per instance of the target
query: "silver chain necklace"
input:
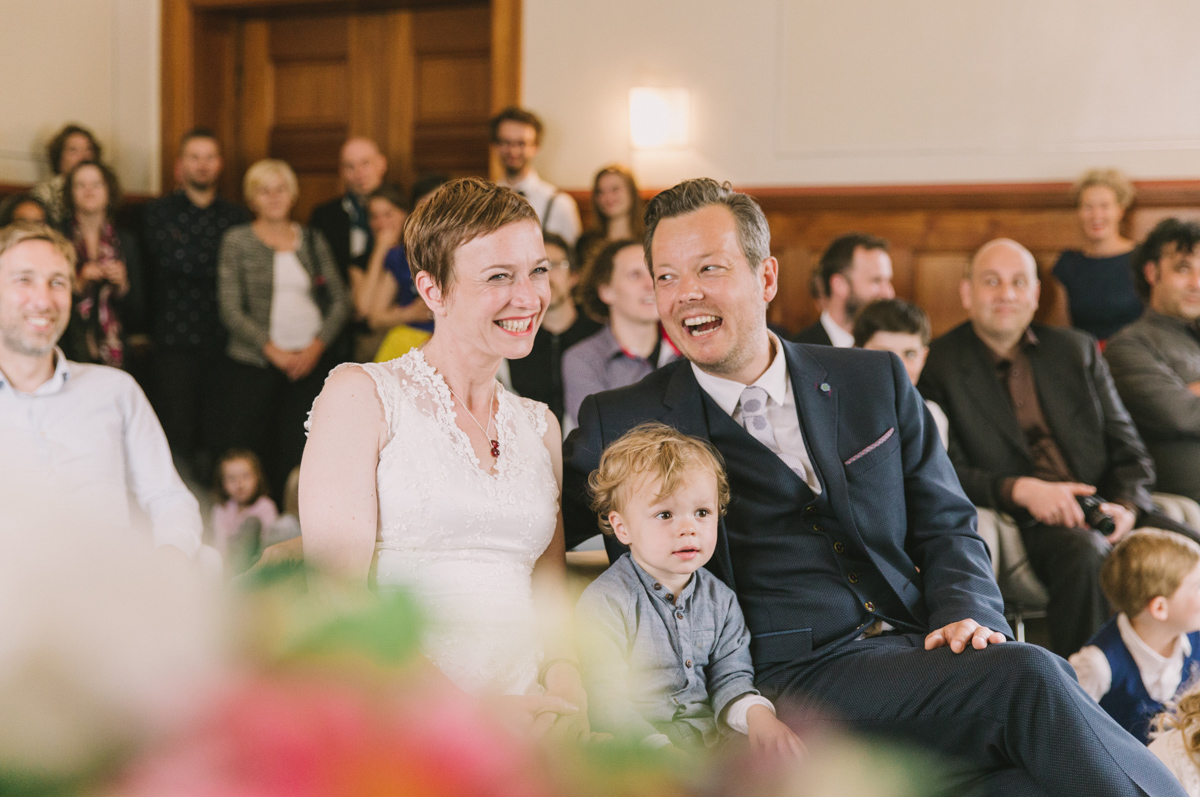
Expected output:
(486, 433)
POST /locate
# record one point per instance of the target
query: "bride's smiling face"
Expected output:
(499, 291)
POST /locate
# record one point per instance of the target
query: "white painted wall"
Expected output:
(95, 62)
(795, 92)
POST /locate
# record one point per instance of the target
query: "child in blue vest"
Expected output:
(1150, 652)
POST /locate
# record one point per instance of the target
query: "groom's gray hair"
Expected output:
(754, 235)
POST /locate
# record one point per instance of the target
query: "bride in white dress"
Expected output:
(424, 472)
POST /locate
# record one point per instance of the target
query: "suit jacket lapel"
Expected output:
(818, 415)
(1060, 406)
(985, 390)
(816, 394)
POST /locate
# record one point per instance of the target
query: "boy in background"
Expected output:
(1146, 655)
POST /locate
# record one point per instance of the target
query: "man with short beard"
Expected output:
(182, 233)
(516, 137)
(848, 540)
(1155, 360)
(81, 435)
(854, 271)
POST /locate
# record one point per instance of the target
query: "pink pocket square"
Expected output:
(886, 435)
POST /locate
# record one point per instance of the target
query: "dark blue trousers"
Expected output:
(1009, 719)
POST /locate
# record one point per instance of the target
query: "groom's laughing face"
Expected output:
(712, 304)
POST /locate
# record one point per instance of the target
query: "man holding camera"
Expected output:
(1037, 430)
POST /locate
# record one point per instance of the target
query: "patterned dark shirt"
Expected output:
(182, 242)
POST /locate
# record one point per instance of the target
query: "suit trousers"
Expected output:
(1067, 561)
(1009, 719)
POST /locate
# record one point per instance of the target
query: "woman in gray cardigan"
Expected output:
(284, 303)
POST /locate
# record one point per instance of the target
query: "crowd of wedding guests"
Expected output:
(231, 317)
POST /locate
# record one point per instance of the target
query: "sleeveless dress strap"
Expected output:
(385, 388)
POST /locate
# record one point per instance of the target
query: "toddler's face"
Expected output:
(239, 481)
(1183, 608)
(674, 536)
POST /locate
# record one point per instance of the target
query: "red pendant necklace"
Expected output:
(486, 432)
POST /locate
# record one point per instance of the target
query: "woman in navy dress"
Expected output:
(1099, 279)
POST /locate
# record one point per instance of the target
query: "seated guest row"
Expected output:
(821, 444)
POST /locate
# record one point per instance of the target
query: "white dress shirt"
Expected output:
(1160, 674)
(546, 198)
(840, 338)
(781, 409)
(79, 447)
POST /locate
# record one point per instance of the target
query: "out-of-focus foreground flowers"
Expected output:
(126, 675)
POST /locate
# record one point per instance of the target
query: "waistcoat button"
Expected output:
(839, 548)
(869, 606)
(853, 578)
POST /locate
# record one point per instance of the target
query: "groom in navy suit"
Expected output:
(848, 541)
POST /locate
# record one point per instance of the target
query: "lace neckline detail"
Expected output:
(446, 416)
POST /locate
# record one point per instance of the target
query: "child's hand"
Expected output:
(770, 736)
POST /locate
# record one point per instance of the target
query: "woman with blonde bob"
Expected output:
(1098, 279)
(425, 473)
(281, 298)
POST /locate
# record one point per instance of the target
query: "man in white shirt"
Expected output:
(516, 135)
(76, 440)
(855, 270)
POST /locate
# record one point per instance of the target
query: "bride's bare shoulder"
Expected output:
(351, 395)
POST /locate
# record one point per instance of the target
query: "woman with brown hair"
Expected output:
(70, 146)
(618, 211)
(1098, 280)
(617, 289)
(108, 290)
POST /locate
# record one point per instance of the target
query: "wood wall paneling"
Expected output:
(933, 231)
(400, 116)
(452, 87)
(294, 78)
(506, 63)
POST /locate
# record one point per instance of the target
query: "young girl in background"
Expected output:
(243, 510)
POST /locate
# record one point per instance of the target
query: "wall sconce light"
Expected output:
(658, 118)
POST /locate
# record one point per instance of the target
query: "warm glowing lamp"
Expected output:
(658, 118)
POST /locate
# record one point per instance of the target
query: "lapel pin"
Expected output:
(823, 387)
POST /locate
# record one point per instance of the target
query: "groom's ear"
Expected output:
(618, 526)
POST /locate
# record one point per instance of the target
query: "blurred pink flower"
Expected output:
(309, 738)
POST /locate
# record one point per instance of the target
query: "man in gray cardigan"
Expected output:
(1155, 361)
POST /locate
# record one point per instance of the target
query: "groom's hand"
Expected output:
(958, 635)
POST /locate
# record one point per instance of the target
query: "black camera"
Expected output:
(1094, 516)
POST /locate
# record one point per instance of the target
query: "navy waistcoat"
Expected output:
(803, 582)
(1127, 700)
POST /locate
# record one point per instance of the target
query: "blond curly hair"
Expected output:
(657, 452)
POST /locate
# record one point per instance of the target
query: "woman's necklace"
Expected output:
(486, 432)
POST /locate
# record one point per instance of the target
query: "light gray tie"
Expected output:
(754, 418)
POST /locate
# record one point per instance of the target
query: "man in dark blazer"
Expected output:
(1035, 422)
(854, 271)
(848, 541)
(344, 220)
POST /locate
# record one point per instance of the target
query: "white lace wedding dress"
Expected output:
(465, 541)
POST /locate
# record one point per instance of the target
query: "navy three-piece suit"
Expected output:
(891, 537)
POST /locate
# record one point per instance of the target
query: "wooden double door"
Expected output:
(293, 81)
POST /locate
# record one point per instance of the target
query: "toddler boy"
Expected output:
(664, 648)
(1146, 655)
